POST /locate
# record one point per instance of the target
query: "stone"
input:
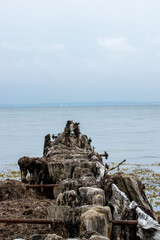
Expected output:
(68, 156)
(130, 185)
(68, 198)
(53, 237)
(47, 143)
(82, 172)
(69, 184)
(72, 137)
(68, 227)
(59, 212)
(97, 237)
(66, 212)
(148, 228)
(98, 200)
(38, 237)
(88, 181)
(59, 171)
(87, 194)
(84, 189)
(100, 170)
(66, 185)
(119, 202)
(19, 239)
(78, 211)
(97, 219)
(36, 167)
(88, 234)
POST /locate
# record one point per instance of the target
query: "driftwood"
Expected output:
(118, 165)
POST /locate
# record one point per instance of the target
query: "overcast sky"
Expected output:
(79, 51)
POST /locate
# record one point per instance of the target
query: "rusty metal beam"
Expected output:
(49, 221)
(104, 155)
(125, 222)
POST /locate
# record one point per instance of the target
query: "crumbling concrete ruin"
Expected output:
(88, 197)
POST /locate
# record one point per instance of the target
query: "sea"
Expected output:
(130, 132)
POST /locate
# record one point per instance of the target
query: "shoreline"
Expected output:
(146, 175)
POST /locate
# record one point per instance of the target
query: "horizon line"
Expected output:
(78, 104)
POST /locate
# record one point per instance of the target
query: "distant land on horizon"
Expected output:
(79, 104)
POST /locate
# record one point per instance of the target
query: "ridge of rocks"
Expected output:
(87, 198)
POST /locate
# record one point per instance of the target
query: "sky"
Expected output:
(79, 51)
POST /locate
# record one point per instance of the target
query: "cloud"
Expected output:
(117, 44)
(7, 45)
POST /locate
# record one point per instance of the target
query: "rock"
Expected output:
(87, 194)
(100, 170)
(97, 237)
(69, 156)
(38, 237)
(130, 185)
(88, 181)
(68, 198)
(88, 234)
(98, 200)
(148, 228)
(59, 171)
(59, 212)
(120, 210)
(66, 185)
(19, 239)
(97, 219)
(53, 237)
(36, 167)
(119, 202)
(72, 169)
(69, 184)
(82, 172)
(71, 136)
(78, 211)
(66, 212)
(83, 189)
(47, 144)
(68, 227)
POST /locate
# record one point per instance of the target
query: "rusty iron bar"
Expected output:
(49, 221)
(127, 222)
(104, 155)
(124, 222)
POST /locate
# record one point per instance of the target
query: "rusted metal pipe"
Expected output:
(127, 222)
(104, 155)
(49, 221)
(124, 222)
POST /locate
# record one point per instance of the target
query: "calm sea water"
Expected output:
(125, 132)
